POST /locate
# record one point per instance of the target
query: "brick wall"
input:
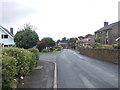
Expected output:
(110, 55)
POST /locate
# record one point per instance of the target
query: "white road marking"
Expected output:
(86, 82)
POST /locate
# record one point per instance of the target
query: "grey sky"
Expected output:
(59, 18)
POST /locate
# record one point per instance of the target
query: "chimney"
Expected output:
(105, 24)
(11, 30)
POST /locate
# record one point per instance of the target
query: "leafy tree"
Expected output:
(58, 41)
(88, 35)
(26, 37)
(81, 37)
(41, 45)
(64, 39)
(49, 41)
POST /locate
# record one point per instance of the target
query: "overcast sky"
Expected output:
(59, 18)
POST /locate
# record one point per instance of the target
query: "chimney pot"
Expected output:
(105, 24)
(11, 30)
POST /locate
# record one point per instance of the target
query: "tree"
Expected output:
(88, 35)
(64, 39)
(26, 37)
(81, 37)
(58, 40)
(49, 41)
(41, 45)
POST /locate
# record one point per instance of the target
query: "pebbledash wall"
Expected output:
(110, 55)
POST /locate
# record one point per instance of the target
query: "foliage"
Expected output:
(45, 50)
(64, 39)
(49, 41)
(81, 37)
(36, 52)
(26, 38)
(58, 48)
(9, 70)
(116, 46)
(106, 46)
(88, 35)
(26, 60)
(96, 45)
(41, 45)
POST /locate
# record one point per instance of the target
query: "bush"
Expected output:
(36, 52)
(107, 46)
(96, 45)
(41, 45)
(26, 60)
(58, 48)
(9, 70)
(116, 46)
(45, 50)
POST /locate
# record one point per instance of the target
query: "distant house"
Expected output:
(6, 37)
(108, 34)
(86, 41)
(63, 44)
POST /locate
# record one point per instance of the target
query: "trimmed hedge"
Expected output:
(36, 52)
(9, 70)
(19, 62)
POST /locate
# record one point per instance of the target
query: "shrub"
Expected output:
(58, 48)
(96, 45)
(45, 50)
(41, 45)
(51, 49)
(36, 52)
(107, 46)
(9, 70)
(116, 46)
(24, 57)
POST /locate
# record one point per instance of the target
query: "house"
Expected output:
(63, 44)
(108, 34)
(86, 41)
(6, 37)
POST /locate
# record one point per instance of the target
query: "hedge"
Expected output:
(17, 62)
(36, 52)
(9, 70)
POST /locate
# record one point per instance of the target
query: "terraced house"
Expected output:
(6, 37)
(108, 34)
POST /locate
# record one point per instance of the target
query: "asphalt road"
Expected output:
(79, 71)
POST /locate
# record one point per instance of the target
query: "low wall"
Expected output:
(110, 55)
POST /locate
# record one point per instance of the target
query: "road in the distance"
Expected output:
(78, 71)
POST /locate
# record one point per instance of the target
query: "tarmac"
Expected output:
(43, 76)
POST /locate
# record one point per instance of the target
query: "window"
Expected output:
(107, 34)
(4, 36)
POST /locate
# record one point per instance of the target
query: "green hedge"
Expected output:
(17, 62)
(9, 70)
(36, 52)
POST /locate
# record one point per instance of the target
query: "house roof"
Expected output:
(6, 30)
(108, 26)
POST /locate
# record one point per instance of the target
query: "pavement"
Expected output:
(43, 76)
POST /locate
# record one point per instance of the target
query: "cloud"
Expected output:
(13, 12)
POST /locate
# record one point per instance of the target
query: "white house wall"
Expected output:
(6, 41)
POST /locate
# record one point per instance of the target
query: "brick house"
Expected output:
(108, 34)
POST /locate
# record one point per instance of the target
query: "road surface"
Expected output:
(78, 71)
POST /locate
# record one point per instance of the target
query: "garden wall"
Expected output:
(110, 55)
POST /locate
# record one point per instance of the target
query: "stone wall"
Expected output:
(110, 55)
